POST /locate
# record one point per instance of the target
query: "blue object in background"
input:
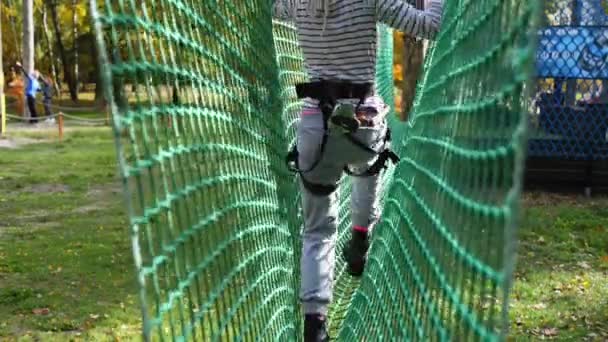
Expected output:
(591, 13)
(573, 52)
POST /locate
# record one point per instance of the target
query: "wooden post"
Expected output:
(60, 124)
(107, 108)
(2, 108)
(2, 111)
(413, 60)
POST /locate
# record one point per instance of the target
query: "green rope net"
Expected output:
(204, 111)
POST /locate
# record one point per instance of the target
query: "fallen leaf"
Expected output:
(94, 316)
(550, 331)
(539, 306)
(584, 265)
(588, 321)
(604, 258)
(541, 239)
(41, 311)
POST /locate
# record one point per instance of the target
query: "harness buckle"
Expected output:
(291, 160)
(344, 116)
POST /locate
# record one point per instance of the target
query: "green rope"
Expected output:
(215, 215)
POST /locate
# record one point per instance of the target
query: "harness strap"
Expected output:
(327, 93)
(377, 166)
(292, 157)
(380, 163)
(318, 189)
(361, 145)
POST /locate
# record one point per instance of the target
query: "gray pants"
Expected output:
(321, 212)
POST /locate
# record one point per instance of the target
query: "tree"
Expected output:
(99, 95)
(49, 44)
(2, 108)
(14, 29)
(67, 70)
(28, 41)
(75, 41)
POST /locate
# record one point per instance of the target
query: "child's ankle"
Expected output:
(360, 231)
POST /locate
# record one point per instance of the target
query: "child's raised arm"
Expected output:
(402, 16)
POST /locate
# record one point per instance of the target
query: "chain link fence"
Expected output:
(570, 111)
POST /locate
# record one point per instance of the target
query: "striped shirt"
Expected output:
(342, 46)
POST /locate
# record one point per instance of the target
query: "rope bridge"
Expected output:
(215, 216)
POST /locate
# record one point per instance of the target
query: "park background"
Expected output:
(66, 268)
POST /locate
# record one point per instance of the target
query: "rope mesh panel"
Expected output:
(204, 111)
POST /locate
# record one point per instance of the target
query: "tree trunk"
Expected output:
(75, 42)
(99, 94)
(413, 59)
(2, 105)
(14, 29)
(118, 84)
(99, 99)
(67, 71)
(49, 44)
(28, 42)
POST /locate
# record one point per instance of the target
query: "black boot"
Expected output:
(355, 253)
(315, 329)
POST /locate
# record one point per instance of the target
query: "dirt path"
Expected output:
(16, 142)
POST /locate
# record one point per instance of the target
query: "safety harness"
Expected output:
(328, 93)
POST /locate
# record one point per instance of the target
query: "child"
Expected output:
(47, 92)
(338, 39)
(31, 88)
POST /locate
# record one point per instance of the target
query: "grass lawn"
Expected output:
(561, 286)
(66, 270)
(65, 262)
